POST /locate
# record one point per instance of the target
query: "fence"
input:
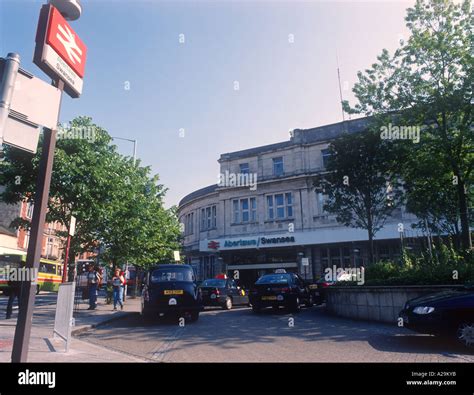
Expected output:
(63, 320)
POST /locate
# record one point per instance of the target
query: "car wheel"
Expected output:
(310, 302)
(194, 316)
(256, 309)
(228, 304)
(295, 306)
(465, 334)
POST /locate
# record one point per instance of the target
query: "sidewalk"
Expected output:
(43, 348)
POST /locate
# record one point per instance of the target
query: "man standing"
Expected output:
(93, 279)
(14, 287)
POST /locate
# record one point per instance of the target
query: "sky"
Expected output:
(179, 99)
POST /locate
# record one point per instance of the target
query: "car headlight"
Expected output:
(423, 310)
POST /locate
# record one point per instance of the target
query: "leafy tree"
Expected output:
(361, 187)
(116, 202)
(428, 83)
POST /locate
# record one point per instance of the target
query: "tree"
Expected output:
(428, 83)
(115, 201)
(361, 187)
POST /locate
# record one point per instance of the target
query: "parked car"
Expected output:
(448, 312)
(318, 290)
(280, 289)
(222, 292)
(171, 289)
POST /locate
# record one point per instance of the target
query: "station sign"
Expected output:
(59, 51)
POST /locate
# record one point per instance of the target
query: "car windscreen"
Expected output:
(274, 279)
(171, 274)
(213, 283)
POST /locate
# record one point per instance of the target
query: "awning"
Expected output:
(262, 266)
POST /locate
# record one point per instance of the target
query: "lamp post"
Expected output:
(134, 146)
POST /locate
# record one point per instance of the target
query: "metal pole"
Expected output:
(134, 151)
(27, 298)
(65, 269)
(7, 85)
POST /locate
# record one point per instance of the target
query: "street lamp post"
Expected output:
(134, 146)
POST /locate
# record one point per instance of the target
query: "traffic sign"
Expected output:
(59, 51)
(31, 103)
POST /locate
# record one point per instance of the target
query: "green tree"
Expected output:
(361, 187)
(115, 201)
(428, 82)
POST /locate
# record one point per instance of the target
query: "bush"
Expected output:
(424, 270)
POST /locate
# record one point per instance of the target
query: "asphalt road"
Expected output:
(240, 335)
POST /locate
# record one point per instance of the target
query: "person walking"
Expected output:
(117, 282)
(93, 279)
(14, 288)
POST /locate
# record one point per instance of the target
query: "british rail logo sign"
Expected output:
(59, 52)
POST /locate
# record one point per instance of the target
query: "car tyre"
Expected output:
(310, 301)
(227, 304)
(256, 309)
(465, 334)
(295, 306)
(194, 316)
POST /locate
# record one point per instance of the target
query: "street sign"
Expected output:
(29, 104)
(177, 257)
(305, 261)
(59, 51)
(72, 226)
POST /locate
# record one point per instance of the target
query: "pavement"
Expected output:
(239, 335)
(44, 348)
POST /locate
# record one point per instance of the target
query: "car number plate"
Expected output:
(269, 297)
(174, 291)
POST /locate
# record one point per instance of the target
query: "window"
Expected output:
(189, 224)
(270, 206)
(320, 200)
(245, 210)
(244, 168)
(208, 218)
(278, 166)
(253, 209)
(280, 206)
(325, 154)
(29, 210)
(236, 211)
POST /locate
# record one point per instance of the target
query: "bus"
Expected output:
(50, 272)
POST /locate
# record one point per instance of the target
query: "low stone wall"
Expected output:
(376, 303)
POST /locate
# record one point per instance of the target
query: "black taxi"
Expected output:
(171, 289)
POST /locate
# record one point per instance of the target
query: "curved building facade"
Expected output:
(265, 214)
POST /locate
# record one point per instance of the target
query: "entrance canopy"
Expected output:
(262, 266)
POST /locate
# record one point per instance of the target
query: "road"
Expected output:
(42, 299)
(240, 335)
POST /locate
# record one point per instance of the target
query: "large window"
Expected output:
(208, 218)
(244, 168)
(325, 154)
(189, 224)
(280, 206)
(278, 166)
(320, 200)
(244, 210)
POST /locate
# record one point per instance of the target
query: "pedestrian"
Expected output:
(117, 282)
(93, 279)
(14, 289)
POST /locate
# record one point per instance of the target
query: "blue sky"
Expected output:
(283, 85)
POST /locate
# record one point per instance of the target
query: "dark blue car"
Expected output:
(449, 312)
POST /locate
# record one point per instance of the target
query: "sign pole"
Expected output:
(28, 291)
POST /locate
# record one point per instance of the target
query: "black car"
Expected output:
(280, 289)
(222, 292)
(171, 289)
(319, 290)
(449, 312)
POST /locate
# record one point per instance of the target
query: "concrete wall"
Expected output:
(375, 303)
